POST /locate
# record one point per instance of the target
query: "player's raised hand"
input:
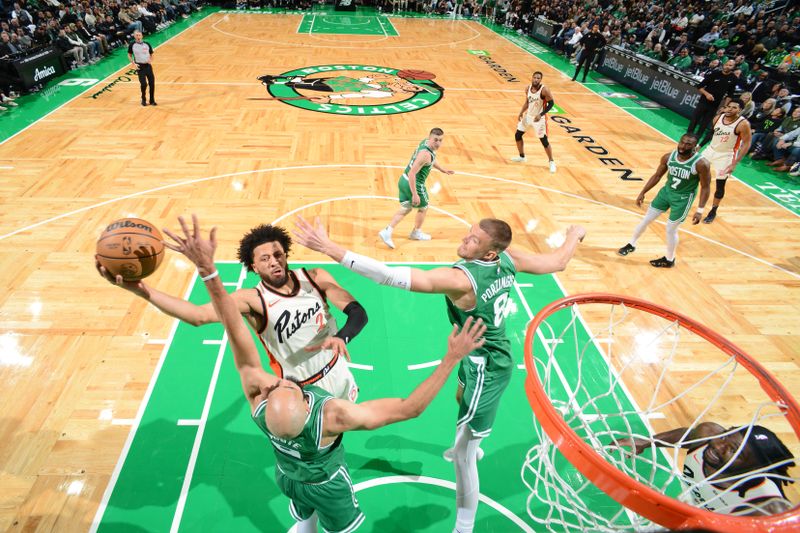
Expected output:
(334, 344)
(311, 236)
(198, 250)
(136, 287)
(578, 231)
(470, 338)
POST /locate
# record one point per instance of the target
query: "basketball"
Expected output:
(130, 247)
(411, 74)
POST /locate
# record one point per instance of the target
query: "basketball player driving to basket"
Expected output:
(288, 310)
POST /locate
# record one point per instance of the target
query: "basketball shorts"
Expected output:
(539, 128)
(339, 381)
(719, 161)
(334, 501)
(678, 205)
(483, 389)
(404, 195)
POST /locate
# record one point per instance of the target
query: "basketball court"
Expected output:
(119, 418)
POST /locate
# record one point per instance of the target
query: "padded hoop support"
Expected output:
(636, 496)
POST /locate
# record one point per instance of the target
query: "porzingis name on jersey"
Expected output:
(496, 286)
(286, 325)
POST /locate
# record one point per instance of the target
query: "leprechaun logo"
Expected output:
(355, 89)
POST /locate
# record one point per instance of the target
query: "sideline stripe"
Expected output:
(101, 509)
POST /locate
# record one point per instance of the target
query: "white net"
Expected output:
(614, 372)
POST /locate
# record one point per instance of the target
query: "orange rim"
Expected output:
(642, 499)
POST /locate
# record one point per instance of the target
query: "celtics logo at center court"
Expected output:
(355, 89)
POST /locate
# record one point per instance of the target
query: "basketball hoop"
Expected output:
(656, 358)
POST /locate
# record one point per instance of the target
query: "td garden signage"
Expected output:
(362, 90)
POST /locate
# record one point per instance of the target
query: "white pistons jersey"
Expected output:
(295, 322)
(726, 501)
(534, 101)
(725, 139)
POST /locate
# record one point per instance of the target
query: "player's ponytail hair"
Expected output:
(499, 231)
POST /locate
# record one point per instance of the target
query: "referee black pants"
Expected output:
(146, 77)
(584, 61)
(701, 119)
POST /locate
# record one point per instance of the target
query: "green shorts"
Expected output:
(677, 204)
(405, 194)
(483, 389)
(334, 501)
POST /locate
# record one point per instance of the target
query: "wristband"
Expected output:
(700, 209)
(210, 276)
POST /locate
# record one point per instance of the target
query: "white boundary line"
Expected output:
(393, 198)
(634, 116)
(424, 365)
(201, 426)
(101, 509)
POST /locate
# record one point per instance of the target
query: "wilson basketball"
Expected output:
(411, 74)
(130, 247)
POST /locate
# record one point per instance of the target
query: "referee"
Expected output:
(715, 91)
(140, 53)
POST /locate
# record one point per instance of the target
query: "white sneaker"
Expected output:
(552, 167)
(419, 235)
(518, 159)
(795, 170)
(386, 237)
(449, 454)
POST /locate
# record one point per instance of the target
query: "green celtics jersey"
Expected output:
(302, 458)
(492, 282)
(422, 175)
(682, 176)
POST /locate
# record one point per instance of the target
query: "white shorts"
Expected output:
(719, 162)
(539, 128)
(339, 381)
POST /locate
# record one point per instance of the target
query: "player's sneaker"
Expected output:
(710, 217)
(450, 454)
(386, 236)
(418, 235)
(625, 250)
(795, 170)
(518, 159)
(552, 167)
(662, 262)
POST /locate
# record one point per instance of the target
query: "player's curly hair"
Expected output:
(258, 236)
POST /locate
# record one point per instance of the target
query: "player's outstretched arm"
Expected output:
(196, 315)
(555, 261)
(655, 178)
(694, 438)
(452, 282)
(344, 301)
(245, 355)
(341, 415)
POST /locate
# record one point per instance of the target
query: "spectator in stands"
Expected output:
(91, 49)
(787, 151)
(7, 48)
(711, 36)
(775, 56)
(792, 60)
(784, 100)
(569, 46)
(764, 122)
(69, 49)
(112, 31)
(749, 106)
(683, 42)
(790, 123)
(721, 56)
(742, 65)
(100, 42)
(682, 61)
(770, 41)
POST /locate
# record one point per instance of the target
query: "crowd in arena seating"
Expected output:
(82, 30)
